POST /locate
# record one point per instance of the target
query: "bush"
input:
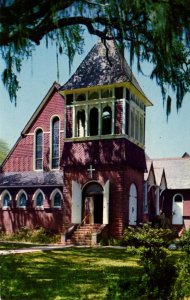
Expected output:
(181, 288)
(147, 236)
(184, 241)
(37, 235)
(158, 271)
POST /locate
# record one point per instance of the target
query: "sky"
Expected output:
(163, 138)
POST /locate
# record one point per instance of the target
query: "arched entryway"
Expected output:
(92, 203)
(177, 210)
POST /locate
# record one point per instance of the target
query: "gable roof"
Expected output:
(98, 69)
(55, 87)
(177, 171)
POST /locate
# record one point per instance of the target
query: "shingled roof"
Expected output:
(177, 171)
(12, 179)
(98, 69)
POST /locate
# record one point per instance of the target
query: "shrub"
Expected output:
(37, 235)
(158, 271)
(148, 236)
(181, 288)
(184, 241)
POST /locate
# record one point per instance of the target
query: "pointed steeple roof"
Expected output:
(99, 69)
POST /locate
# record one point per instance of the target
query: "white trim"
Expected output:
(18, 198)
(2, 198)
(65, 119)
(133, 206)
(124, 114)
(99, 119)
(50, 141)
(76, 204)
(34, 149)
(35, 196)
(54, 192)
(177, 210)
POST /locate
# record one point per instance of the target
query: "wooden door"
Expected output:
(76, 203)
(177, 210)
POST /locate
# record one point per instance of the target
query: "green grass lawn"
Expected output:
(71, 273)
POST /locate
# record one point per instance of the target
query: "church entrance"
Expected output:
(92, 200)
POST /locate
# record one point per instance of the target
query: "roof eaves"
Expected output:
(9, 154)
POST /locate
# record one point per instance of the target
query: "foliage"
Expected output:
(74, 273)
(147, 236)
(37, 235)
(159, 273)
(153, 31)
(4, 149)
(158, 269)
(184, 241)
(181, 288)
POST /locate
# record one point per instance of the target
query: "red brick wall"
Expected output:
(21, 158)
(14, 218)
(120, 177)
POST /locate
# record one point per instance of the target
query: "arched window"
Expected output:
(55, 143)
(56, 198)
(94, 121)
(81, 123)
(106, 120)
(177, 209)
(81, 97)
(39, 150)
(93, 95)
(5, 199)
(21, 199)
(38, 199)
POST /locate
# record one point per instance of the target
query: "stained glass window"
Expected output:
(55, 143)
(22, 200)
(39, 153)
(39, 200)
(57, 200)
(6, 200)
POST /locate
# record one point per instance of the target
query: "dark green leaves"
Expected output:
(157, 32)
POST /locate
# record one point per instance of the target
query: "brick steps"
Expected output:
(83, 234)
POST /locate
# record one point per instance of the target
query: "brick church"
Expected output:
(80, 159)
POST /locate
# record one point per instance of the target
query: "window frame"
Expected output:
(3, 194)
(34, 198)
(35, 148)
(52, 197)
(18, 198)
(51, 143)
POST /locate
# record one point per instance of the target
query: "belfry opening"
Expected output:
(92, 203)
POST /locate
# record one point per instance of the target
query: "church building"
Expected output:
(80, 160)
(167, 191)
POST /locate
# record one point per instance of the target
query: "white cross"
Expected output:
(91, 170)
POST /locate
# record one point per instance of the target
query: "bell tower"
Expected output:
(105, 111)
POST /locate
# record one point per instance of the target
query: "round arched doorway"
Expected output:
(92, 203)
